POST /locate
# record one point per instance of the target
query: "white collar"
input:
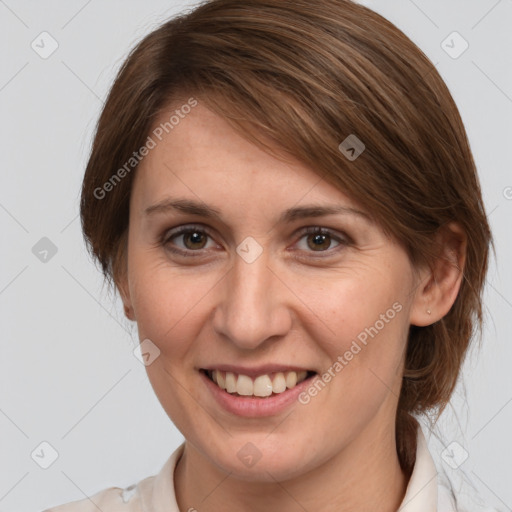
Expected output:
(421, 493)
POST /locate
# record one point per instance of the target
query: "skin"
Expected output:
(293, 305)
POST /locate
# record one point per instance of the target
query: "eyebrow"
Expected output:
(291, 214)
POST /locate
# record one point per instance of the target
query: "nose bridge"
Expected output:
(250, 311)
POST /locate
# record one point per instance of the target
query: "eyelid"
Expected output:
(334, 233)
(184, 228)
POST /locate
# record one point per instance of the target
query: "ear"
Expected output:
(121, 278)
(124, 292)
(439, 284)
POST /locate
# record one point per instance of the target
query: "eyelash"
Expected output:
(168, 235)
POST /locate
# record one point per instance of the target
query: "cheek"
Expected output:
(367, 316)
(368, 320)
(360, 306)
(168, 303)
(169, 309)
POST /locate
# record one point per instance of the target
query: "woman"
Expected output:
(285, 198)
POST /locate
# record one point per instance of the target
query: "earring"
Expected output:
(429, 312)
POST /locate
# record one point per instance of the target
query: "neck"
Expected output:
(366, 475)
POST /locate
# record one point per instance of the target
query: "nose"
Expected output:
(253, 308)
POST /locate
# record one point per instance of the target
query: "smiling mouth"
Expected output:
(262, 386)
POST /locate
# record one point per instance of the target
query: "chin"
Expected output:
(256, 459)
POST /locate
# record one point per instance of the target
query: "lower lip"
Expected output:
(253, 407)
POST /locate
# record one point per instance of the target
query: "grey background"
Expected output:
(68, 373)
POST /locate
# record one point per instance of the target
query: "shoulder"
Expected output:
(148, 495)
(113, 499)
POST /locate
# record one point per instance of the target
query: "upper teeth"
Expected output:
(263, 385)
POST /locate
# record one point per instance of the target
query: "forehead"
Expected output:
(200, 155)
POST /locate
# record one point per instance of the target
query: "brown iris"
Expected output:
(319, 241)
(198, 239)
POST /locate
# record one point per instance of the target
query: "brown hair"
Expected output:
(305, 75)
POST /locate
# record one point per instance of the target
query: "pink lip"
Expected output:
(253, 407)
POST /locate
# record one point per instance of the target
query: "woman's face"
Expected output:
(263, 287)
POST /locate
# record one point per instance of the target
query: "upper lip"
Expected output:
(254, 371)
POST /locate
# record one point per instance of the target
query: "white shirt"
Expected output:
(156, 493)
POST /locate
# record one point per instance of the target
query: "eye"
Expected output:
(192, 238)
(318, 239)
(189, 239)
